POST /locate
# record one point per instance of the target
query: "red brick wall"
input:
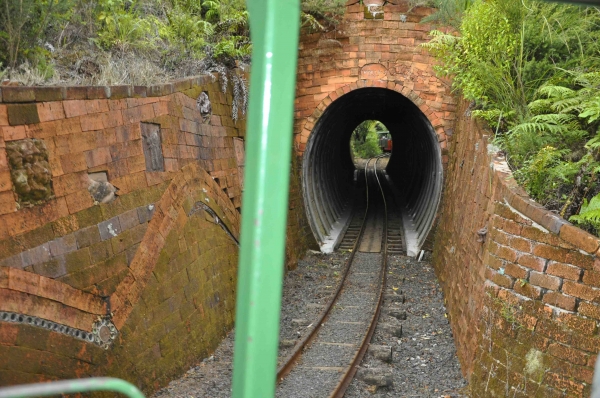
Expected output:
(522, 304)
(163, 274)
(88, 129)
(178, 290)
(332, 64)
(362, 52)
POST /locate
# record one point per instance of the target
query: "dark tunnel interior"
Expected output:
(415, 166)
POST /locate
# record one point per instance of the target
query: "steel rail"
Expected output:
(346, 379)
(292, 358)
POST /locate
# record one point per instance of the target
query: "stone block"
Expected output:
(109, 228)
(152, 147)
(145, 213)
(100, 251)
(30, 171)
(78, 260)
(87, 236)
(129, 219)
(45, 94)
(19, 114)
(55, 268)
(18, 94)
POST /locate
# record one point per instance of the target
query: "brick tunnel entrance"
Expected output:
(415, 166)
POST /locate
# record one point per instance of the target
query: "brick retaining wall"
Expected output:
(148, 264)
(522, 299)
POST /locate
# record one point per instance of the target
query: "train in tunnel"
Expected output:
(385, 141)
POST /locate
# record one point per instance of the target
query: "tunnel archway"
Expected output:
(415, 166)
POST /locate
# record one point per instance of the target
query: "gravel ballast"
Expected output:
(424, 362)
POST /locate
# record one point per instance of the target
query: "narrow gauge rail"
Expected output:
(324, 362)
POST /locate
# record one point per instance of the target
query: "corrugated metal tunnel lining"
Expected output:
(415, 166)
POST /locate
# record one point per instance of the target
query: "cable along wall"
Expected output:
(415, 167)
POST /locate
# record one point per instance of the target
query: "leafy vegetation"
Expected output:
(364, 141)
(130, 41)
(532, 71)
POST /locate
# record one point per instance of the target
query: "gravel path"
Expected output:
(424, 358)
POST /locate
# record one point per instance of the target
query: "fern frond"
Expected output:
(540, 106)
(551, 91)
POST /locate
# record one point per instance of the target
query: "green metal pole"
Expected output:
(274, 26)
(72, 387)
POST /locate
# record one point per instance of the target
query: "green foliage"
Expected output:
(449, 12)
(323, 8)
(531, 69)
(24, 24)
(364, 141)
(483, 60)
(556, 150)
(589, 215)
(121, 26)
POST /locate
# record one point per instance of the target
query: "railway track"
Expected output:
(324, 362)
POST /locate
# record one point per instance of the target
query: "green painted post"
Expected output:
(274, 26)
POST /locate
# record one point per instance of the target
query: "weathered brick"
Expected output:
(100, 251)
(579, 238)
(8, 333)
(79, 200)
(564, 270)
(528, 290)
(516, 271)
(44, 94)
(581, 260)
(97, 157)
(568, 354)
(494, 262)
(581, 291)
(63, 245)
(560, 300)
(545, 281)
(77, 260)
(129, 219)
(533, 262)
(145, 213)
(520, 244)
(511, 227)
(499, 279)
(504, 252)
(550, 252)
(73, 162)
(589, 310)
(22, 114)
(55, 268)
(18, 94)
(591, 278)
(578, 323)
